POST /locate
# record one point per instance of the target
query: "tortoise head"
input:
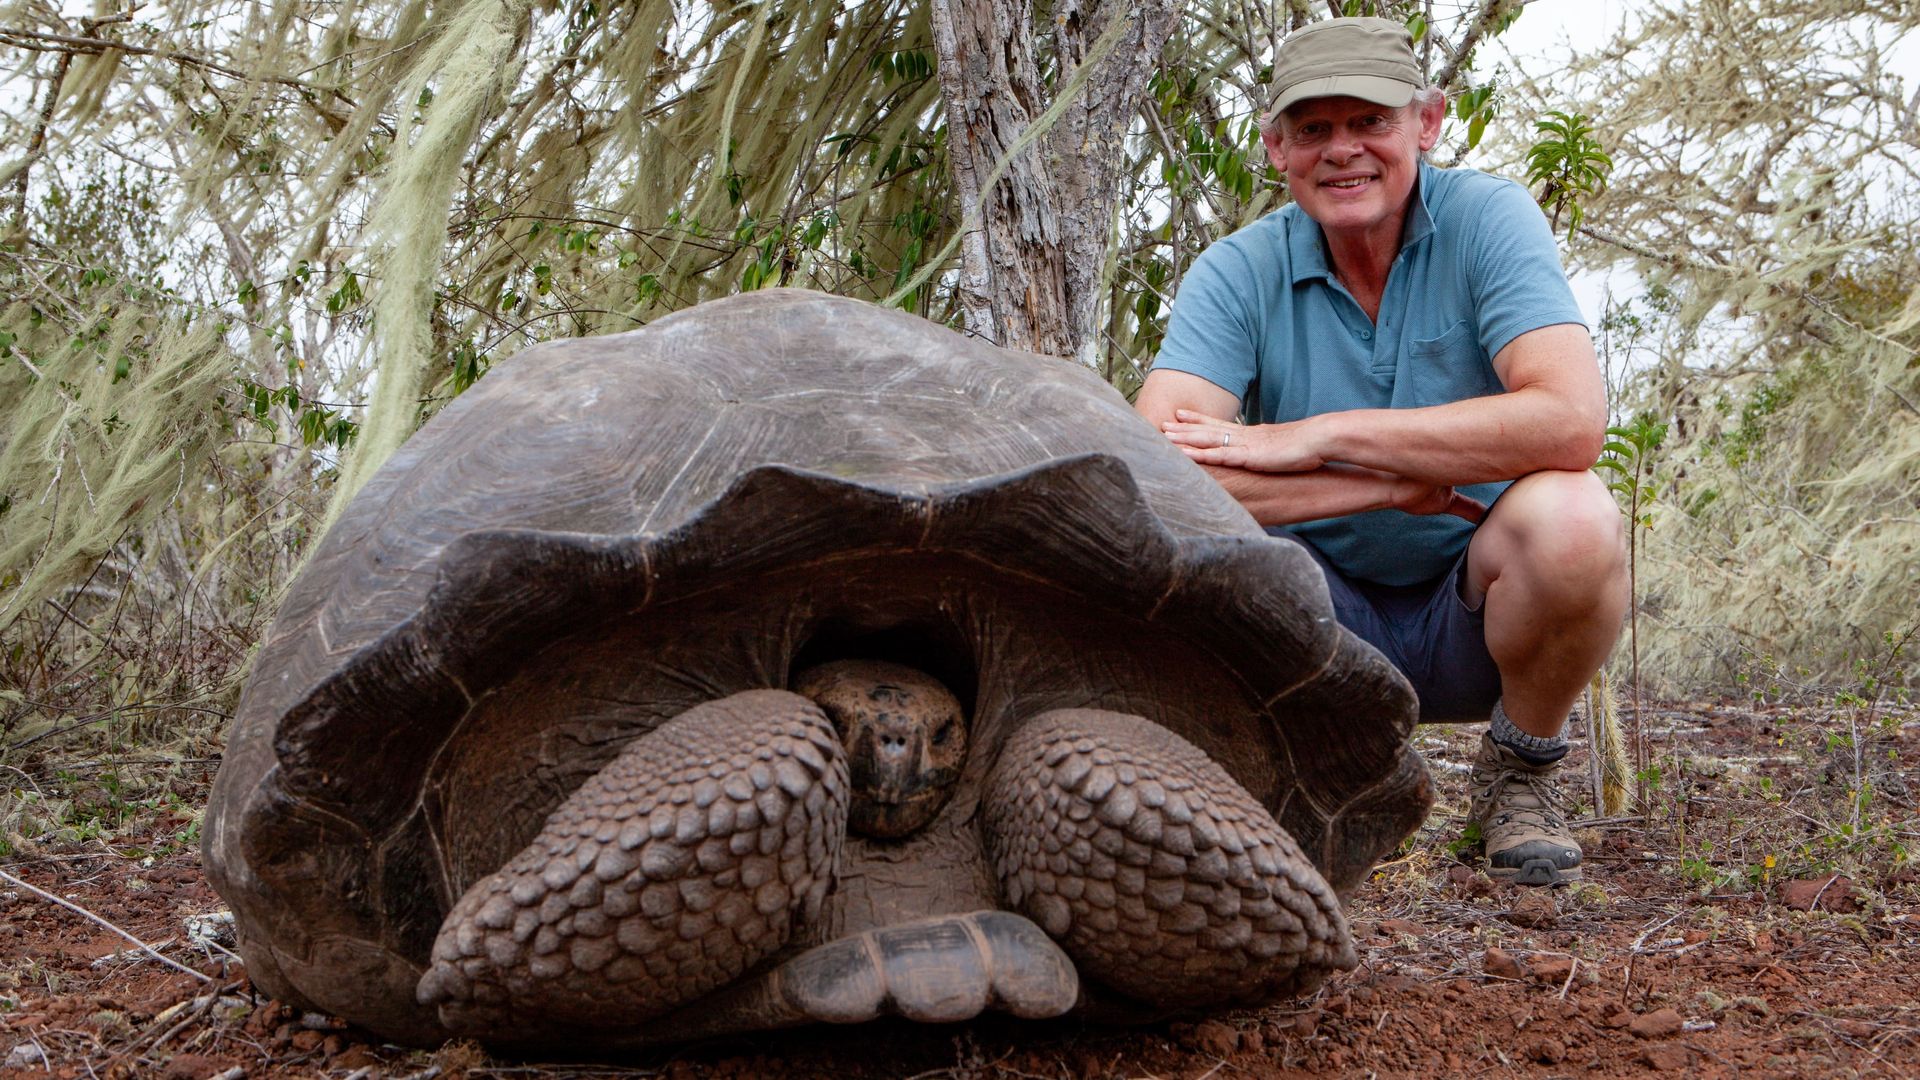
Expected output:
(906, 740)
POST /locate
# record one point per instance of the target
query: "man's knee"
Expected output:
(1560, 527)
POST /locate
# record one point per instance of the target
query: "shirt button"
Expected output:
(1366, 335)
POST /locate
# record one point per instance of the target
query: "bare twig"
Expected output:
(94, 718)
(69, 46)
(37, 145)
(84, 913)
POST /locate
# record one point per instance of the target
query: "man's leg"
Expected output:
(1549, 563)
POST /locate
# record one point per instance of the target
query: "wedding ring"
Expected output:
(1226, 439)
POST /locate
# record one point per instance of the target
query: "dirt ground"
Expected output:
(1761, 919)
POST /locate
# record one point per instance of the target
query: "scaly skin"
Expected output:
(690, 860)
(1159, 874)
(685, 862)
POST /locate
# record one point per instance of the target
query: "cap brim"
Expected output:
(1393, 93)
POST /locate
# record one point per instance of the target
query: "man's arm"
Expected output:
(1282, 498)
(1553, 416)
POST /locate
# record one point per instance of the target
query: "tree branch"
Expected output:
(69, 46)
(1491, 11)
(37, 145)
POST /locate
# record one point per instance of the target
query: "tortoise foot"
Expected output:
(937, 970)
(1160, 875)
(679, 866)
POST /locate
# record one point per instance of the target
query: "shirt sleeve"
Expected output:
(1211, 332)
(1513, 269)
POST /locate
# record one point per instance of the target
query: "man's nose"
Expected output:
(1342, 147)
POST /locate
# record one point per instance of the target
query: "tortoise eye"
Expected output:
(946, 732)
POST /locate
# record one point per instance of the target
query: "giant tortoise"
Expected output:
(793, 660)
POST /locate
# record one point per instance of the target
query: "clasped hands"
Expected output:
(1288, 448)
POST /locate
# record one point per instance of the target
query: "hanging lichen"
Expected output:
(1778, 227)
(467, 64)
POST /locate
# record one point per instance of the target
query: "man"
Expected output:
(1405, 351)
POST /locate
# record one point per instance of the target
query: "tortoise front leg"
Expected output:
(679, 866)
(1158, 873)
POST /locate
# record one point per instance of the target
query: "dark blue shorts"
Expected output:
(1427, 631)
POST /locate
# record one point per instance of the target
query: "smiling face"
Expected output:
(1351, 164)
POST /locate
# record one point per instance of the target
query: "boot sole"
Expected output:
(1534, 872)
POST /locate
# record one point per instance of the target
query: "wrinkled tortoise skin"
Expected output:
(608, 534)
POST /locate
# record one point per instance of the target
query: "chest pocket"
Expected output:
(1450, 367)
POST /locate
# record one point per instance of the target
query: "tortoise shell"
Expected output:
(607, 532)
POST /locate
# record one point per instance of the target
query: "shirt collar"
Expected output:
(1308, 247)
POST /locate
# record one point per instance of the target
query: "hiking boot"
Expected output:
(1528, 842)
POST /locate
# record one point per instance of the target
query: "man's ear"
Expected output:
(1432, 116)
(1276, 146)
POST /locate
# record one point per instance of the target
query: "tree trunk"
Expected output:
(1032, 259)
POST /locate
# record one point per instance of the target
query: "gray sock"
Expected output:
(1532, 749)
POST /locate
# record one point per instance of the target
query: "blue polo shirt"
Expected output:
(1261, 316)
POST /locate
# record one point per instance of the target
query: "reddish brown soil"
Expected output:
(1681, 953)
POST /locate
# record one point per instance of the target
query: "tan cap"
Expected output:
(1367, 58)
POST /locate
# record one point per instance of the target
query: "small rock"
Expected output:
(1306, 1023)
(191, 1067)
(1620, 1019)
(24, 1055)
(307, 1039)
(1665, 1057)
(1533, 908)
(1548, 1051)
(1214, 1038)
(1502, 964)
(1656, 1025)
(1831, 893)
(1396, 928)
(1472, 881)
(264, 1019)
(1550, 969)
